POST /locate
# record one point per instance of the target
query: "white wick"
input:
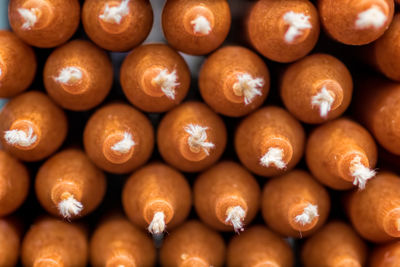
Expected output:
(273, 156)
(360, 173)
(372, 17)
(201, 25)
(157, 225)
(235, 216)
(69, 75)
(29, 16)
(248, 87)
(69, 207)
(20, 137)
(116, 13)
(125, 144)
(323, 100)
(167, 82)
(297, 23)
(308, 215)
(198, 137)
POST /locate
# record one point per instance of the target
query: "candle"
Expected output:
(387, 255)
(10, 242)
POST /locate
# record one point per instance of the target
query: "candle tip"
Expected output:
(116, 13)
(360, 172)
(248, 87)
(197, 138)
(308, 215)
(29, 16)
(323, 100)
(20, 137)
(372, 17)
(274, 156)
(235, 216)
(201, 25)
(157, 225)
(125, 145)
(69, 207)
(298, 22)
(167, 82)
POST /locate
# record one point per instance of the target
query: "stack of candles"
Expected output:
(282, 149)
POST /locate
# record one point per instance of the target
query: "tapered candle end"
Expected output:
(242, 87)
(158, 214)
(277, 153)
(158, 81)
(35, 14)
(195, 144)
(328, 97)
(23, 134)
(198, 21)
(72, 80)
(354, 167)
(295, 27)
(115, 16)
(391, 223)
(303, 216)
(232, 211)
(119, 147)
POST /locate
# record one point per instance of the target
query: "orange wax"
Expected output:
(341, 154)
(387, 255)
(355, 22)
(226, 196)
(10, 238)
(234, 81)
(283, 30)
(54, 243)
(335, 245)
(155, 78)
(191, 137)
(118, 138)
(116, 242)
(316, 88)
(375, 211)
(78, 75)
(157, 197)
(68, 184)
(259, 247)
(44, 23)
(193, 244)
(196, 27)
(269, 141)
(14, 184)
(17, 65)
(295, 204)
(117, 25)
(32, 127)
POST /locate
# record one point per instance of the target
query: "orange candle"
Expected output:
(193, 244)
(295, 204)
(68, 184)
(32, 127)
(50, 242)
(283, 30)
(335, 245)
(118, 138)
(78, 75)
(196, 27)
(234, 81)
(117, 25)
(17, 65)
(316, 88)
(155, 78)
(387, 255)
(375, 211)
(269, 141)
(259, 246)
(226, 196)
(14, 183)
(10, 238)
(191, 137)
(157, 196)
(44, 23)
(116, 242)
(355, 22)
(341, 154)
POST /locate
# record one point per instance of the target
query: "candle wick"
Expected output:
(235, 216)
(297, 23)
(372, 17)
(20, 137)
(274, 156)
(308, 215)
(69, 75)
(323, 100)
(360, 173)
(167, 82)
(29, 16)
(69, 206)
(125, 144)
(157, 225)
(201, 25)
(116, 13)
(198, 137)
(248, 87)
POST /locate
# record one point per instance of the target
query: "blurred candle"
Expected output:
(155, 78)
(295, 204)
(196, 27)
(116, 242)
(375, 211)
(157, 197)
(341, 154)
(259, 246)
(68, 184)
(234, 81)
(118, 138)
(191, 137)
(283, 30)
(269, 141)
(10, 238)
(54, 243)
(226, 197)
(32, 127)
(117, 25)
(78, 75)
(193, 244)
(335, 245)
(355, 22)
(17, 65)
(14, 183)
(387, 255)
(44, 23)
(316, 88)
